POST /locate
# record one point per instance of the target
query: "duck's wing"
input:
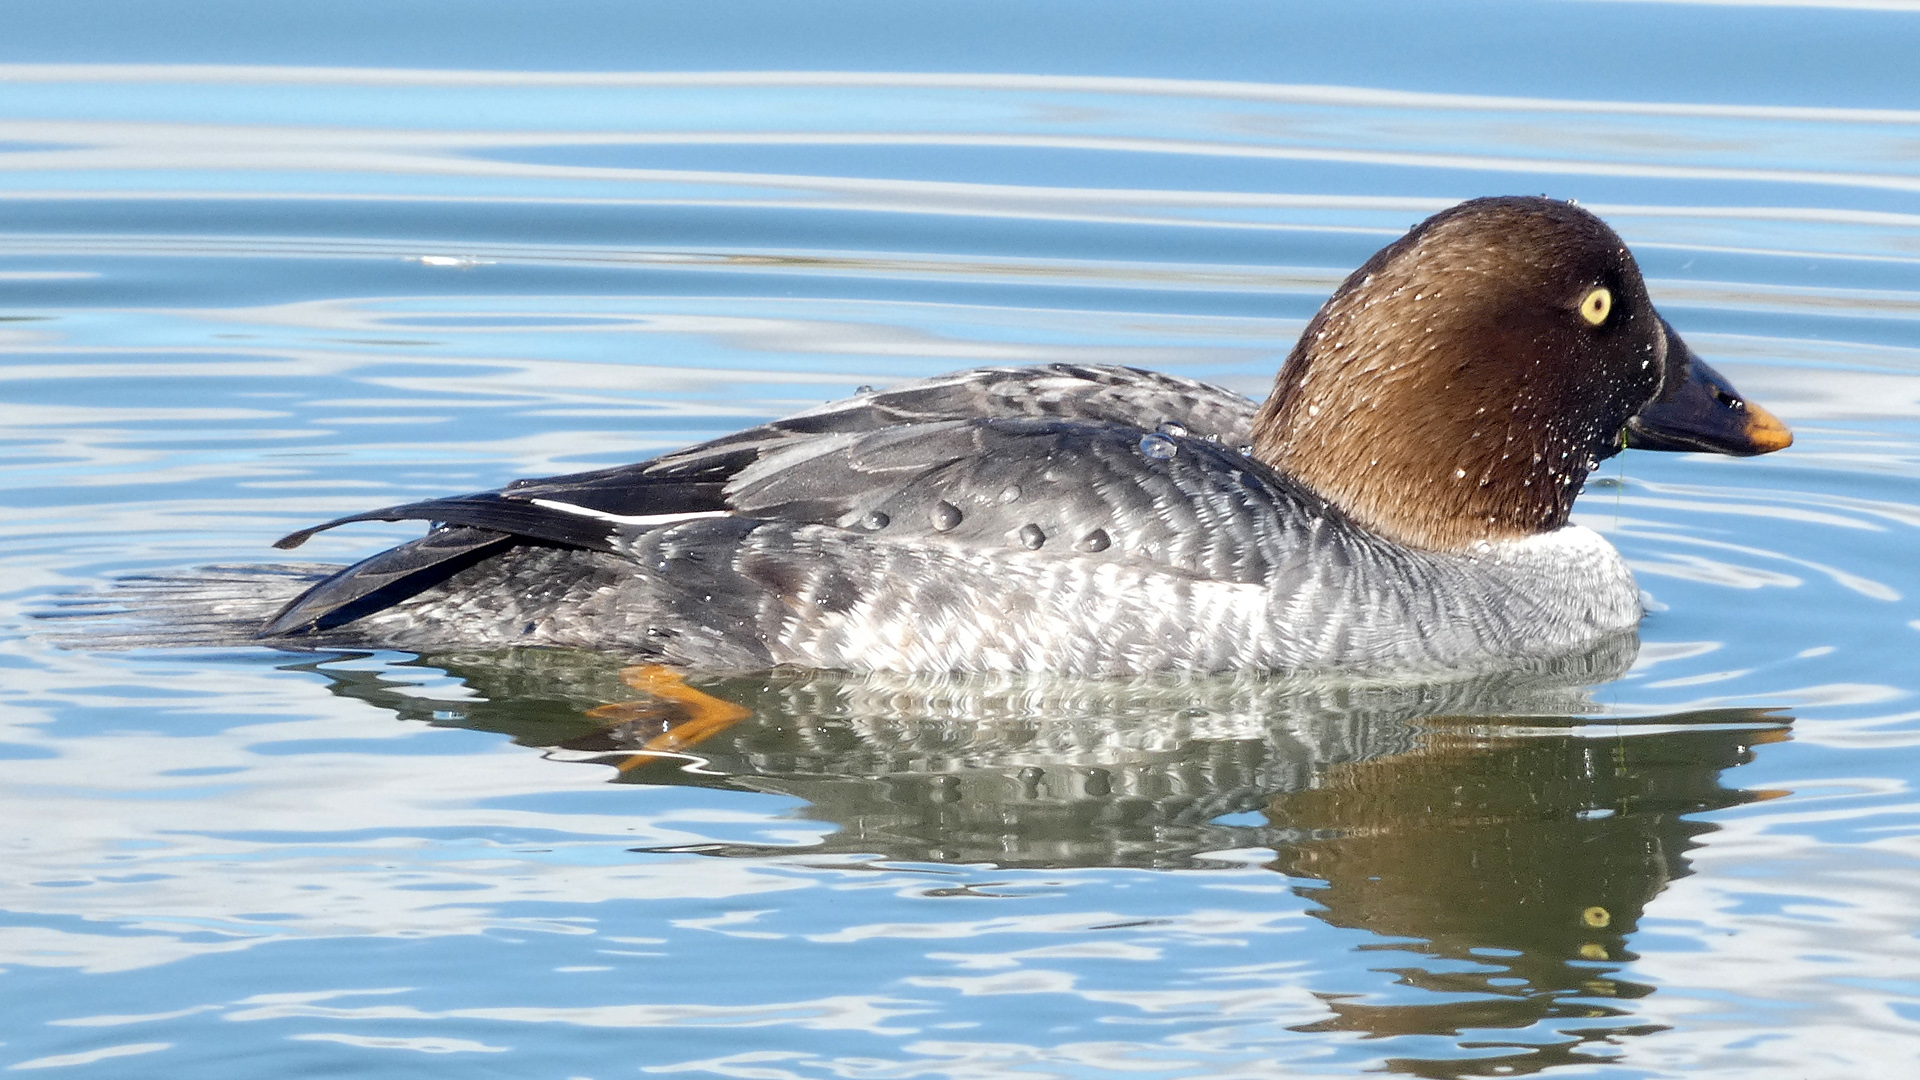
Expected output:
(696, 480)
(1110, 492)
(779, 469)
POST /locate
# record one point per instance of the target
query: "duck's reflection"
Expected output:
(1515, 865)
(1502, 847)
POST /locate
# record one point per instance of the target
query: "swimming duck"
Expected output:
(1400, 501)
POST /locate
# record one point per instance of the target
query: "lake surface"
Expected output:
(262, 264)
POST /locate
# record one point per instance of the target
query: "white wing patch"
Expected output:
(625, 519)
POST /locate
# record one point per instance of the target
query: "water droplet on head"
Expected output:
(1246, 449)
(1011, 494)
(1168, 427)
(1097, 540)
(876, 520)
(863, 388)
(1459, 474)
(1032, 536)
(945, 516)
(1157, 446)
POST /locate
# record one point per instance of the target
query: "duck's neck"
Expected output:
(1426, 481)
(1435, 453)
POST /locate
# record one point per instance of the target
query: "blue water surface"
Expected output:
(263, 263)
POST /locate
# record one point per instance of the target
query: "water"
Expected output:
(265, 263)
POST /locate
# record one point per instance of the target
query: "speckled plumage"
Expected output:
(742, 595)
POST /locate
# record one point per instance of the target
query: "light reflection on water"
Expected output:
(239, 301)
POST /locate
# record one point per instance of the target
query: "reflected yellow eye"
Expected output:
(1597, 305)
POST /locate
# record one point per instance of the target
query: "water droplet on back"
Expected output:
(1011, 494)
(1097, 540)
(1157, 446)
(876, 520)
(1033, 536)
(863, 388)
(1168, 427)
(945, 516)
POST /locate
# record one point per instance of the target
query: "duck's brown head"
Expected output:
(1460, 385)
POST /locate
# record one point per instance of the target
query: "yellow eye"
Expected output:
(1595, 307)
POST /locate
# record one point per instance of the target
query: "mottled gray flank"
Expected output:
(740, 594)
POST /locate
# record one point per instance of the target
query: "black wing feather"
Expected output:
(488, 510)
(385, 579)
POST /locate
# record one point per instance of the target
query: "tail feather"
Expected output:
(384, 579)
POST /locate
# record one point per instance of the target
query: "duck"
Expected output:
(1400, 501)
